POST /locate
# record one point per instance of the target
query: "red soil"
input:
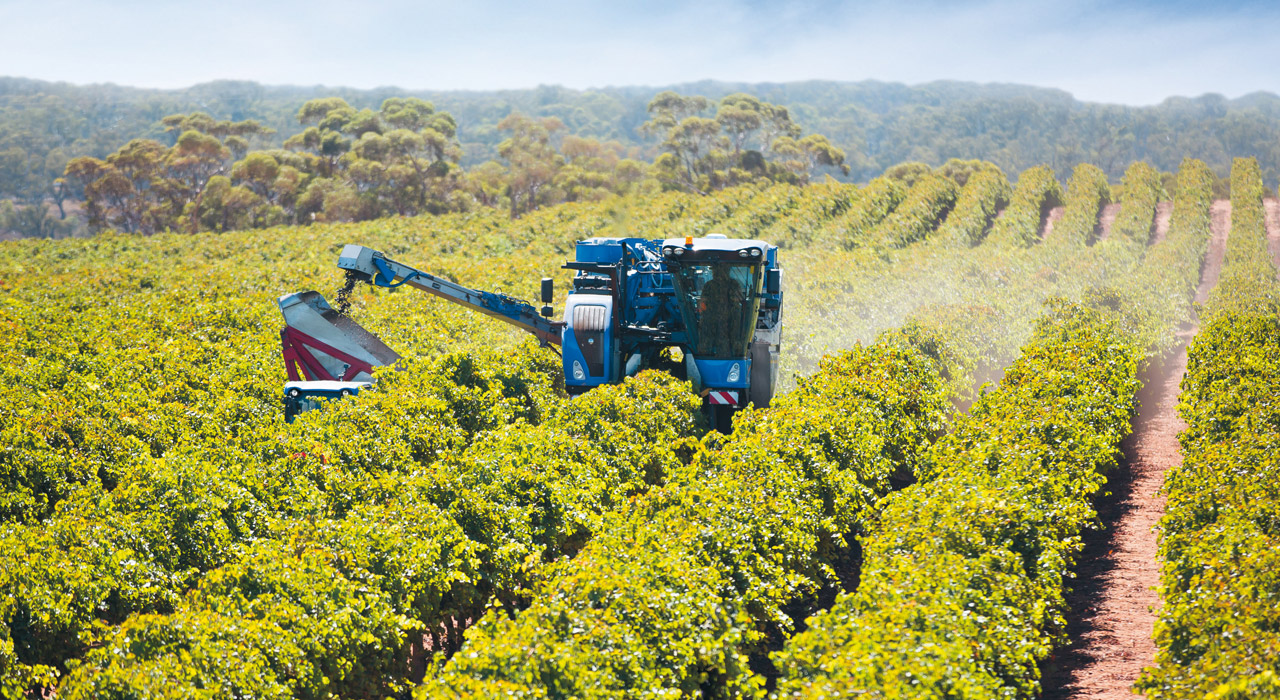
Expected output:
(1272, 207)
(1106, 218)
(1046, 227)
(1115, 601)
(1160, 226)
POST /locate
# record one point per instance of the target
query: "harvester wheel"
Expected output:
(721, 418)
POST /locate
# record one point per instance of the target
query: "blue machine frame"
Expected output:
(624, 306)
(626, 312)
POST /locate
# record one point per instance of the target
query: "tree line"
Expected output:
(877, 125)
(349, 164)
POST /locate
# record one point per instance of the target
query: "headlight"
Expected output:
(578, 374)
(668, 250)
(735, 372)
(755, 252)
(743, 253)
(679, 251)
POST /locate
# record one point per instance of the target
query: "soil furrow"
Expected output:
(1160, 224)
(1106, 217)
(1272, 207)
(1114, 600)
(1046, 226)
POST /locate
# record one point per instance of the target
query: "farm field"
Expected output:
(930, 508)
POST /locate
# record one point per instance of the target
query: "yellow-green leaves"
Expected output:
(1036, 193)
(1216, 636)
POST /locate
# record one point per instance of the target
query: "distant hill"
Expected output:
(877, 124)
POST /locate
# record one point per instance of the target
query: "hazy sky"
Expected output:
(1130, 52)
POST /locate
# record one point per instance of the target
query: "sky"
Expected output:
(1131, 52)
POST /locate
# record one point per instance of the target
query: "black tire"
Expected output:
(761, 392)
(720, 418)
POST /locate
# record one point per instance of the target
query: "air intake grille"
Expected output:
(590, 323)
(589, 318)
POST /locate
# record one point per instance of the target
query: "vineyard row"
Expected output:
(1217, 633)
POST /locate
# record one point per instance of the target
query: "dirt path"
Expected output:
(1221, 213)
(1106, 218)
(1046, 226)
(1160, 225)
(1114, 601)
(1272, 207)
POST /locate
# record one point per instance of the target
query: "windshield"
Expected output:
(719, 302)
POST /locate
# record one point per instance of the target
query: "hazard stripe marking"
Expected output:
(723, 398)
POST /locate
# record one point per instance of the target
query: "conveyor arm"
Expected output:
(375, 267)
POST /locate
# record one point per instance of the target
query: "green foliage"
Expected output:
(747, 140)
(869, 207)
(637, 610)
(962, 170)
(145, 187)
(1248, 273)
(428, 548)
(35, 221)
(926, 204)
(983, 299)
(280, 622)
(1153, 303)
(1087, 192)
(147, 474)
(349, 165)
(961, 590)
(534, 162)
(771, 206)
(908, 173)
(682, 587)
(815, 206)
(1216, 635)
(526, 493)
(874, 126)
(1036, 193)
(1139, 192)
(982, 196)
(145, 448)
